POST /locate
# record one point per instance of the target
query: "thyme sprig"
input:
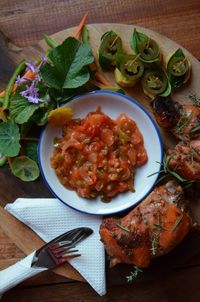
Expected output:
(167, 172)
(154, 242)
(134, 274)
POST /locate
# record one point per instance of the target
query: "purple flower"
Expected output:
(30, 66)
(33, 68)
(32, 93)
(43, 60)
(20, 80)
(34, 100)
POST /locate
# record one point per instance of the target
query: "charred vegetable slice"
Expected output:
(111, 44)
(154, 82)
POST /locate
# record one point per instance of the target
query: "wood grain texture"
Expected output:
(24, 21)
(177, 286)
(28, 241)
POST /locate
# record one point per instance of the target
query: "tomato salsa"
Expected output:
(97, 155)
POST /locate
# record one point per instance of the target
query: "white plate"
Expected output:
(112, 104)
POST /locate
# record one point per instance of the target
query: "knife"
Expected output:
(49, 256)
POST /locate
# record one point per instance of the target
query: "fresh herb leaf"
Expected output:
(166, 172)
(63, 96)
(25, 168)
(20, 109)
(134, 274)
(137, 38)
(168, 90)
(122, 227)
(31, 150)
(40, 117)
(175, 82)
(67, 67)
(9, 138)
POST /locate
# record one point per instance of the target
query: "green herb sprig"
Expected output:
(134, 274)
(167, 173)
(122, 227)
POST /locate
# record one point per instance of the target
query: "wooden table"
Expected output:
(23, 23)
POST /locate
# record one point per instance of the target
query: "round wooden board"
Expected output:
(166, 45)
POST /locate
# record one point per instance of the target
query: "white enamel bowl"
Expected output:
(112, 104)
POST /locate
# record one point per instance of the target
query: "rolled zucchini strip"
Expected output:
(178, 68)
(149, 51)
(154, 82)
(122, 80)
(131, 67)
(111, 44)
(146, 47)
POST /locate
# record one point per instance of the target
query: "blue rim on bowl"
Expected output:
(46, 169)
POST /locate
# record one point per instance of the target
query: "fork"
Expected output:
(62, 251)
(49, 256)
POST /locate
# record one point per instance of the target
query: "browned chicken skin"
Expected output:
(182, 120)
(152, 229)
(185, 159)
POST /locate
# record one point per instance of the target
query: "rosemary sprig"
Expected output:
(183, 122)
(134, 274)
(178, 221)
(122, 227)
(169, 173)
(197, 128)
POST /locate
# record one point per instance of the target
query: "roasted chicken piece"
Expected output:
(182, 120)
(153, 228)
(185, 159)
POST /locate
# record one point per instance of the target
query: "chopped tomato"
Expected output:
(98, 156)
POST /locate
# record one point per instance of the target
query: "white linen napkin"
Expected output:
(48, 217)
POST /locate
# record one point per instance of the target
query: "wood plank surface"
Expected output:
(23, 22)
(182, 285)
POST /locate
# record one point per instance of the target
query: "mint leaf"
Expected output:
(63, 96)
(137, 38)
(25, 168)
(20, 109)
(67, 66)
(178, 53)
(9, 139)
